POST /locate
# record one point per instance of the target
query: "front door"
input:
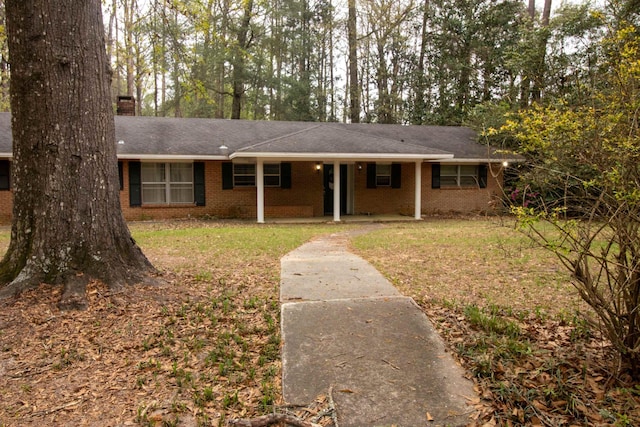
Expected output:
(328, 189)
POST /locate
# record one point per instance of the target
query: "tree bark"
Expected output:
(540, 72)
(354, 83)
(420, 88)
(67, 224)
(243, 41)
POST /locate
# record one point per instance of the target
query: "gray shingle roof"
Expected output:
(327, 139)
(161, 137)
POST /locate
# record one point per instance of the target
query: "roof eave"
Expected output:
(339, 156)
(170, 157)
(476, 160)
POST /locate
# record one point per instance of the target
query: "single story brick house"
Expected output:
(176, 168)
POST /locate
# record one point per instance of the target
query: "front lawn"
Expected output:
(508, 311)
(205, 347)
(200, 350)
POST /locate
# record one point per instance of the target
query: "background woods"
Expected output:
(405, 61)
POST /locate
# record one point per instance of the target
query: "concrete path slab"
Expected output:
(344, 326)
(322, 269)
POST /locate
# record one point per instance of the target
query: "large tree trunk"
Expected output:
(67, 225)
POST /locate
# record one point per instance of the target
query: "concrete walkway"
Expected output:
(345, 326)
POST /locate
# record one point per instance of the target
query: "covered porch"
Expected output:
(340, 191)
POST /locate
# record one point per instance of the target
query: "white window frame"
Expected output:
(168, 185)
(271, 179)
(243, 178)
(460, 177)
(383, 174)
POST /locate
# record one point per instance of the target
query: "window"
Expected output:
(383, 175)
(165, 183)
(459, 176)
(5, 175)
(244, 175)
(272, 175)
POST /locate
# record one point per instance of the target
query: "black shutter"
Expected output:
(121, 175)
(227, 176)
(482, 176)
(5, 175)
(285, 175)
(135, 184)
(371, 175)
(198, 183)
(435, 175)
(396, 175)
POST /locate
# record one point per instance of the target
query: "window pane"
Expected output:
(383, 169)
(272, 169)
(181, 172)
(181, 193)
(468, 176)
(244, 169)
(469, 170)
(383, 175)
(152, 172)
(244, 180)
(153, 193)
(448, 170)
(448, 181)
(383, 181)
(272, 174)
(468, 181)
(244, 175)
(272, 181)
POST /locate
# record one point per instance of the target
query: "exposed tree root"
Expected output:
(75, 283)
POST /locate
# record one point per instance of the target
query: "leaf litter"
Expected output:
(202, 349)
(510, 316)
(205, 348)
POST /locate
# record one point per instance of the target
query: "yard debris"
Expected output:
(204, 348)
(320, 413)
(560, 378)
(269, 420)
(534, 361)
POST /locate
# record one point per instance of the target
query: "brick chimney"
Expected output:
(126, 105)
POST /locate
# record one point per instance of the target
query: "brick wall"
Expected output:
(305, 197)
(385, 200)
(446, 200)
(6, 206)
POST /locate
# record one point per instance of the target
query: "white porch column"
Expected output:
(336, 190)
(418, 190)
(260, 188)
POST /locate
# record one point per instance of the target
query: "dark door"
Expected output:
(328, 189)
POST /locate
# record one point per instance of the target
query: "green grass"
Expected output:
(210, 340)
(481, 262)
(239, 239)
